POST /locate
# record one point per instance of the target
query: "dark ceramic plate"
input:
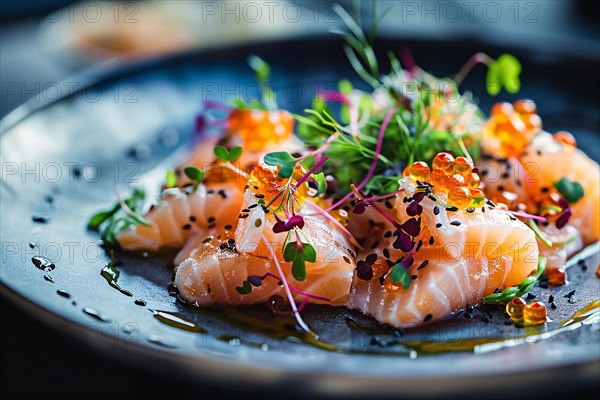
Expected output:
(61, 157)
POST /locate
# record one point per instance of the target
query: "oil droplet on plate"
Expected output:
(177, 321)
(160, 341)
(43, 263)
(96, 314)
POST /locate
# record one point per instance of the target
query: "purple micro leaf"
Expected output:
(295, 221)
(563, 218)
(418, 196)
(412, 227)
(414, 208)
(402, 242)
(359, 207)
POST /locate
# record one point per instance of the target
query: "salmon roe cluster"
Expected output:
(259, 129)
(453, 176)
(513, 126)
(264, 181)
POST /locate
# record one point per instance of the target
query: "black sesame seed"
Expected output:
(389, 204)
(469, 308)
(413, 277)
(211, 226)
(423, 264)
(259, 196)
(501, 188)
(545, 190)
(570, 294)
(387, 234)
(386, 253)
(551, 299)
(505, 175)
(255, 187)
(530, 296)
(375, 244)
(431, 240)
(252, 206)
(438, 225)
(228, 227)
(428, 317)
(192, 218)
(231, 241)
(553, 306)
(419, 245)
(452, 208)
(346, 259)
(210, 191)
(245, 210)
(436, 210)
(455, 223)
(187, 227)
(211, 220)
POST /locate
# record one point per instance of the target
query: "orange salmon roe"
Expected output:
(258, 128)
(514, 308)
(513, 126)
(453, 176)
(535, 313)
(565, 138)
(264, 181)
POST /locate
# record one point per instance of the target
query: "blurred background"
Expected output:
(43, 43)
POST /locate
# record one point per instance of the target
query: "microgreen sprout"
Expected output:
(228, 155)
(517, 291)
(170, 179)
(195, 174)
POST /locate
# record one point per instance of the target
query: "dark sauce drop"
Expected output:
(40, 218)
(43, 263)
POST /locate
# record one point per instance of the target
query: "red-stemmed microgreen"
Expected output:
(299, 253)
(286, 287)
(110, 223)
(125, 207)
(536, 229)
(384, 125)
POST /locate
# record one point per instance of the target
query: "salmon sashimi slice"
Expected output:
(183, 213)
(555, 160)
(255, 243)
(465, 255)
